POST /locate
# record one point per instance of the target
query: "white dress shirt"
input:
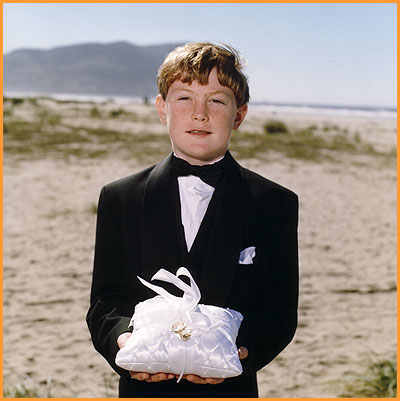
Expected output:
(195, 196)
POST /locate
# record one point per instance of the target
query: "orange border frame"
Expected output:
(181, 1)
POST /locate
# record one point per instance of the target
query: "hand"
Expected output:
(150, 378)
(202, 380)
(158, 377)
(243, 353)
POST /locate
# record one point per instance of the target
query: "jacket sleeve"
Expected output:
(110, 307)
(272, 325)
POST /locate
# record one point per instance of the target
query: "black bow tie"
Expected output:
(209, 173)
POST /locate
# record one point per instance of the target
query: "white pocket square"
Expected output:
(247, 255)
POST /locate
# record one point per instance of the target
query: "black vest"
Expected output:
(193, 260)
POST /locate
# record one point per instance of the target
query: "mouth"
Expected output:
(198, 132)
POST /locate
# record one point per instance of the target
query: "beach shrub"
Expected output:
(45, 117)
(33, 101)
(341, 142)
(16, 100)
(92, 209)
(7, 112)
(116, 113)
(379, 381)
(94, 112)
(330, 127)
(357, 137)
(275, 127)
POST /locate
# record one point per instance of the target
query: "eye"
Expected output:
(218, 101)
(184, 98)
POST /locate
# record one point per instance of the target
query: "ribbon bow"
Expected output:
(191, 296)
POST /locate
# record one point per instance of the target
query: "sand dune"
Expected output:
(347, 233)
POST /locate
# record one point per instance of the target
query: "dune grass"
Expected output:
(379, 381)
(28, 388)
(40, 131)
(305, 144)
(37, 140)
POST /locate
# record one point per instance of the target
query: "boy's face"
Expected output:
(200, 119)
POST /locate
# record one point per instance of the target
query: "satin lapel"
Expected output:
(158, 227)
(226, 238)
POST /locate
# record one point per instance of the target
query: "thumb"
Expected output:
(123, 338)
(243, 352)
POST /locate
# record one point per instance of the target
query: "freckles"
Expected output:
(224, 120)
(181, 112)
(177, 112)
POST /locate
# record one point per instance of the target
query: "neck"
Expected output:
(194, 162)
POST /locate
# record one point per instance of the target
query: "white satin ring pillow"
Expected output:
(177, 335)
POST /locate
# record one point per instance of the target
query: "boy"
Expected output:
(234, 230)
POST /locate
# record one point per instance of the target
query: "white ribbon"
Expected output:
(184, 319)
(191, 296)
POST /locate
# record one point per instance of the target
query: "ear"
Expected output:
(240, 115)
(160, 105)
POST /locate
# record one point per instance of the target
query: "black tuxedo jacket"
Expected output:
(135, 237)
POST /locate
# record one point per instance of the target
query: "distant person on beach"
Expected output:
(237, 235)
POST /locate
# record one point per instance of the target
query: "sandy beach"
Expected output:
(58, 155)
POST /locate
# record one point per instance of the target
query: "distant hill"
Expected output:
(119, 69)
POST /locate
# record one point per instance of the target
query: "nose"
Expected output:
(200, 112)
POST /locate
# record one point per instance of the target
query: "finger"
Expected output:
(162, 376)
(195, 379)
(243, 352)
(122, 339)
(132, 374)
(139, 376)
(142, 376)
(158, 377)
(212, 380)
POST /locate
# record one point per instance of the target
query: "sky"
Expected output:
(333, 53)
